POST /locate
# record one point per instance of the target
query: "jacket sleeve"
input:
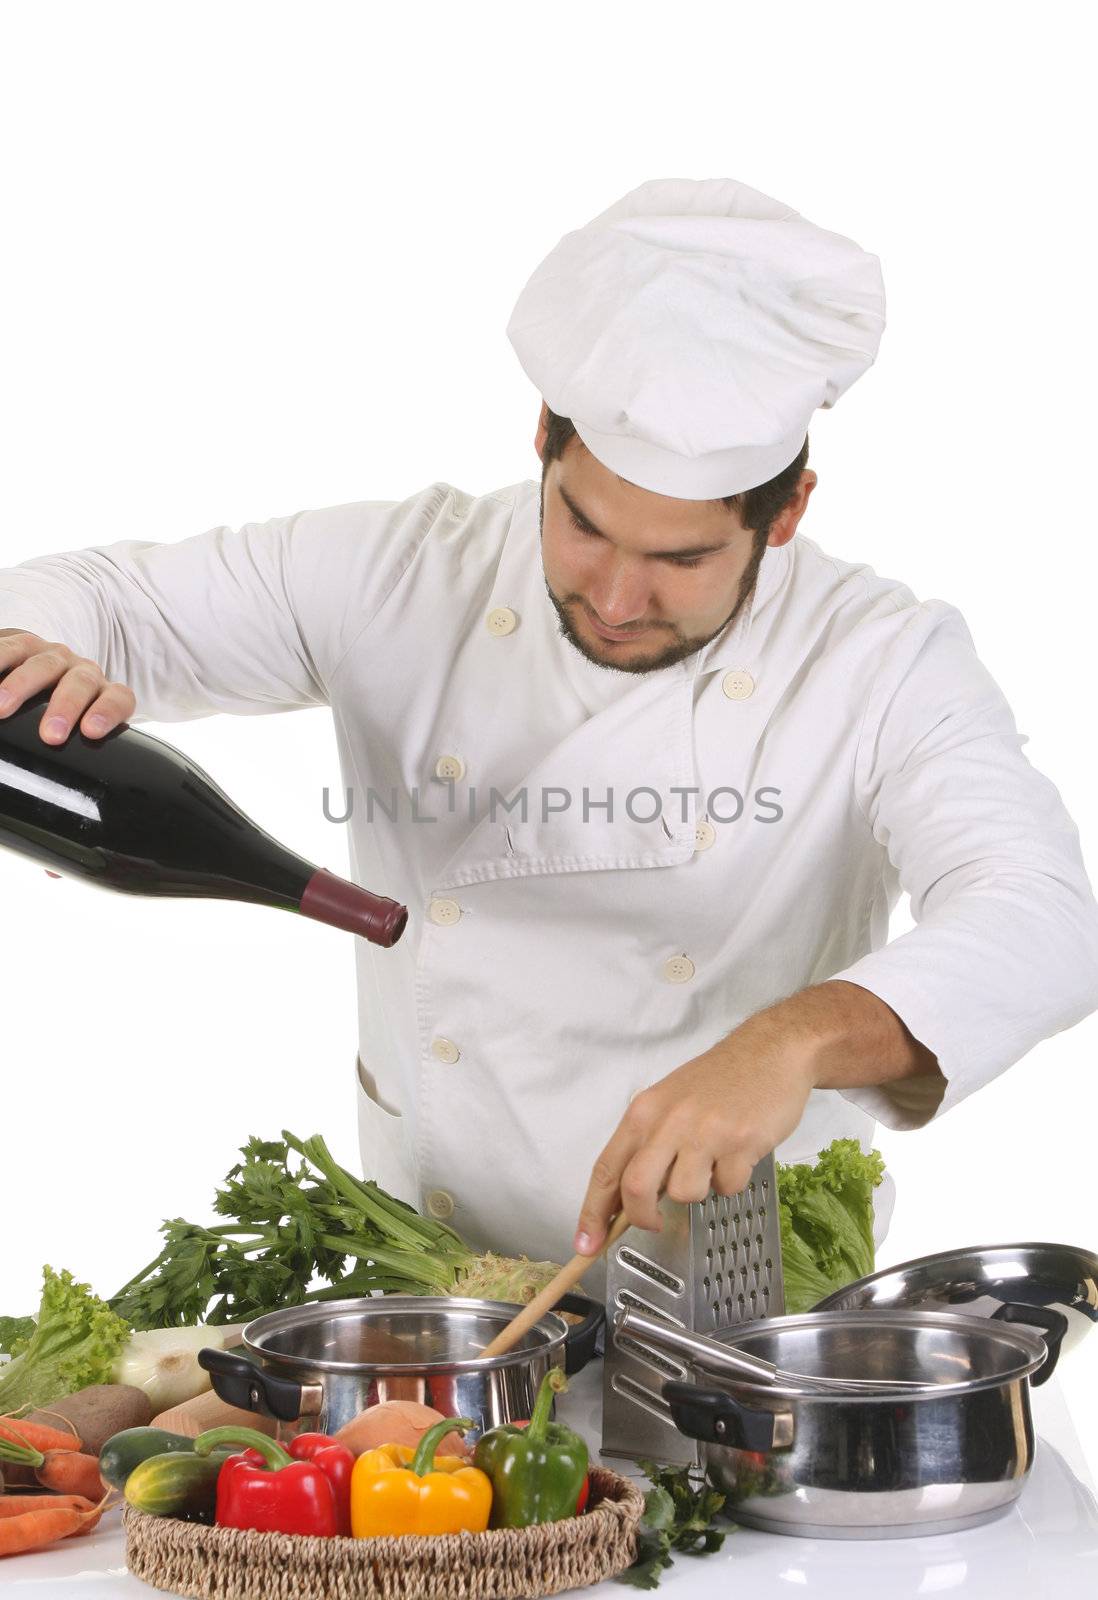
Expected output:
(1005, 948)
(247, 620)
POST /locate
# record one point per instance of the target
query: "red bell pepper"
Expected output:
(336, 1462)
(277, 1495)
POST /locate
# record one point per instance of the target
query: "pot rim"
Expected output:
(1032, 1346)
(293, 1316)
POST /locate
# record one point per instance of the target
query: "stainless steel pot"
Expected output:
(953, 1452)
(314, 1367)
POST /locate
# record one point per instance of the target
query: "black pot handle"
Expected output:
(1053, 1324)
(579, 1346)
(718, 1419)
(240, 1383)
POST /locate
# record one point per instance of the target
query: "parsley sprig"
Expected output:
(679, 1515)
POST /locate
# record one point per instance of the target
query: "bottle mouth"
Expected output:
(393, 924)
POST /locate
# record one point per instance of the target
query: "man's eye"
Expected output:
(674, 561)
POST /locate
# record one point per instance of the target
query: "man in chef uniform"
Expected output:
(678, 762)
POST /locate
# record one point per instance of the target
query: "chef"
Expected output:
(649, 766)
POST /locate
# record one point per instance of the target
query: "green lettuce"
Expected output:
(826, 1214)
(13, 1328)
(74, 1342)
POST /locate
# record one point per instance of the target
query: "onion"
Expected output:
(164, 1362)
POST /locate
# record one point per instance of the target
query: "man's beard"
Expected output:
(682, 645)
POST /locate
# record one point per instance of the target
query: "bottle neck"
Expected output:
(331, 899)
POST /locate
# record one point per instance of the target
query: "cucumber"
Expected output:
(175, 1484)
(126, 1450)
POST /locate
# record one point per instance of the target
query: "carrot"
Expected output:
(33, 1529)
(37, 1434)
(71, 1434)
(13, 1505)
(71, 1473)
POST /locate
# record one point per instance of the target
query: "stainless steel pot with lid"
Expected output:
(316, 1366)
(949, 1453)
(943, 1437)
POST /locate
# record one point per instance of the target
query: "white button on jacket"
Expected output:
(705, 836)
(739, 685)
(841, 739)
(679, 969)
(501, 620)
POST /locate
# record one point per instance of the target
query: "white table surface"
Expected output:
(1045, 1546)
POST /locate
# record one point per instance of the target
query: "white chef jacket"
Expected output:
(556, 962)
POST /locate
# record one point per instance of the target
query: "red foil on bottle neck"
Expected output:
(340, 904)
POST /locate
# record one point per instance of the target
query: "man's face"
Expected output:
(659, 579)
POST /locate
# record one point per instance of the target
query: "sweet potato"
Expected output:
(99, 1412)
(397, 1422)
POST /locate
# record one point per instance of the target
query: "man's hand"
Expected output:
(708, 1123)
(704, 1126)
(83, 694)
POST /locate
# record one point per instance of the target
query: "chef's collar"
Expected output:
(732, 645)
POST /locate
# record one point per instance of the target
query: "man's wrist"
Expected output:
(836, 1035)
(790, 1036)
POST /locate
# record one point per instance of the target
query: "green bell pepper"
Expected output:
(538, 1472)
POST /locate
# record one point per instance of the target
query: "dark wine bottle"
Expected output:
(130, 812)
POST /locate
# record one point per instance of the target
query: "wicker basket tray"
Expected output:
(203, 1563)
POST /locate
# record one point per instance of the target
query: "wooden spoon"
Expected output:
(565, 1279)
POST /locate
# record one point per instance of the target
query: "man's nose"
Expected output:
(621, 593)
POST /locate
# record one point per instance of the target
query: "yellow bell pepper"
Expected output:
(396, 1490)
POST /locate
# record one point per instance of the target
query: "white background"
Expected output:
(259, 257)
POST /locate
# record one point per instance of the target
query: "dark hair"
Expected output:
(756, 507)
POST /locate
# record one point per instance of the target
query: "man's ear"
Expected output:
(784, 525)
(543, 431)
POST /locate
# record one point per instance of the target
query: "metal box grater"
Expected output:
(716, 1263)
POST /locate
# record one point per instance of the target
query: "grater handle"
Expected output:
(708, 1355)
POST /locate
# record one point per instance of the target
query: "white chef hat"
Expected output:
(691, 330)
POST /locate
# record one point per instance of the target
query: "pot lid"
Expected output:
(1050, 1287)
